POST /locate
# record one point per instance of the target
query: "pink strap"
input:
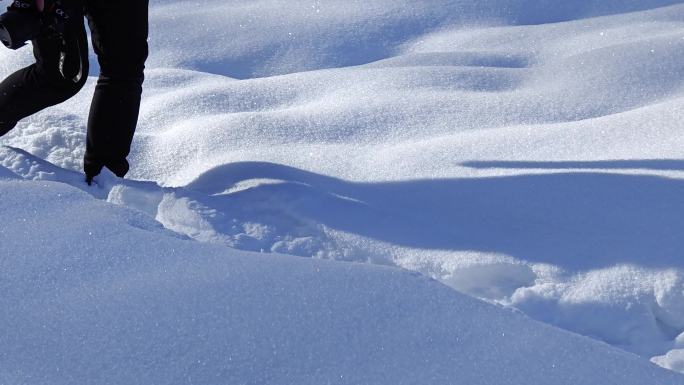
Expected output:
(40, 4)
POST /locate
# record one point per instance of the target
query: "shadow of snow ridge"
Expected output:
(577, 220)
(574, 220)
(645, 164)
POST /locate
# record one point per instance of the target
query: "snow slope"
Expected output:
(99, 294)
(528, 153)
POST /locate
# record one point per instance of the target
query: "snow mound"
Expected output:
(102, 294)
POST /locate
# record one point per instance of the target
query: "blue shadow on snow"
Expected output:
(577, 220)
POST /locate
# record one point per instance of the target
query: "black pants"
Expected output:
(119, 31)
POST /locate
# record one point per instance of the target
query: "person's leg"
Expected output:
(60, 71)
(119, 34)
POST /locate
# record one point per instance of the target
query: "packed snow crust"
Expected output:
(528, 153)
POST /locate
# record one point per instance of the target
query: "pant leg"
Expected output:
(60, 71)
(119, 35)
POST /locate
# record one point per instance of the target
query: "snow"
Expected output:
(103, 294)
(526, 153)
(674, 360)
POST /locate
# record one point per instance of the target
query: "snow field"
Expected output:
(536, 166)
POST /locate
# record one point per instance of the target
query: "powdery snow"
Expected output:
(528, 153)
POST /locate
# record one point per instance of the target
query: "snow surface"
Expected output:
(101, 294)
(529, 153)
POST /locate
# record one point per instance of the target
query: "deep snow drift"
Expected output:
(528, 153)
